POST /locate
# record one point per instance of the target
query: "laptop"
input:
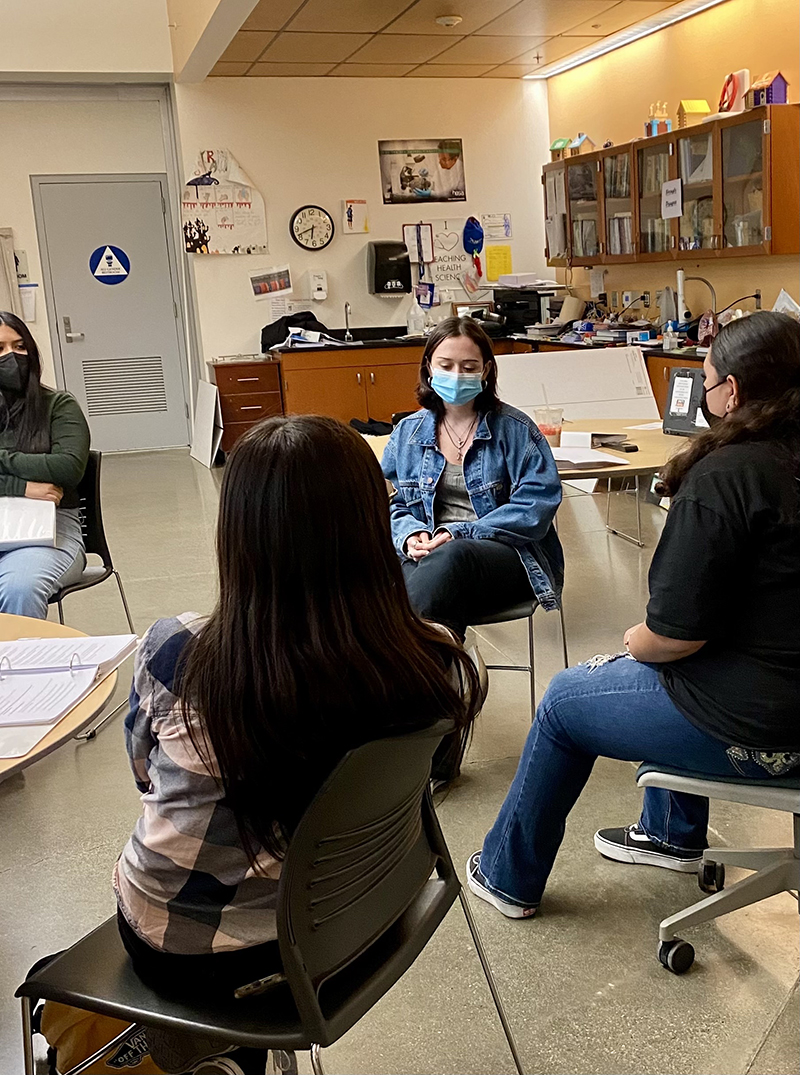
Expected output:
(683, 416)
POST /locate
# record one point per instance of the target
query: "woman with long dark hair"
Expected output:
(477, 489)
(236, 720)
(44, 447)
(710, 680)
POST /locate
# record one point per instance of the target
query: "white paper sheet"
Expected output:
(41, 698)
(103, 652)
(648, 425)
(584, 457)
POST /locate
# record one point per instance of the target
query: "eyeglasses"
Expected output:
(711, 389)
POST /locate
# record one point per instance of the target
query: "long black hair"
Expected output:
(27, 415)
(447, 329)
(313, 647)
(762, 352)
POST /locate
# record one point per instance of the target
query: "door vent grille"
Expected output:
(124, 386)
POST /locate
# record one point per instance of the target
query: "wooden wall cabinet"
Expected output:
(741, 194)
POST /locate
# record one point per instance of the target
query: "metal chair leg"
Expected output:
(90, 733)
(60, 612)
(532, 663)
(124, 601)
(487, 970)
(316, 1061)
(104, 1050)
(27, 1036)
(563, 636)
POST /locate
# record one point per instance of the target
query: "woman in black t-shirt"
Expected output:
(710, 681)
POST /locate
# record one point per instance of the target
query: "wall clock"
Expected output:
(311, 227)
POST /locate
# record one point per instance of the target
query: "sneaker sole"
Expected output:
(645, 858)
(510, 910)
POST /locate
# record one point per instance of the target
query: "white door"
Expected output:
(110, 271)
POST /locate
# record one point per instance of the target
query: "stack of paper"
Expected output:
(42, 679)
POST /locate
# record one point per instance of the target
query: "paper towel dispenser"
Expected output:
(388, 268)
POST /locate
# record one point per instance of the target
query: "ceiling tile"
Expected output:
(452, 70)
(618, 17)
(313, 48)
(510, 70)
(488, 49)
(247, 45)
(555, 49)
(347, 16)
(289, 70)
(271, 14)
(372, 70)
(545, 18)
(400, 48)
(221, 69)
(421, 18)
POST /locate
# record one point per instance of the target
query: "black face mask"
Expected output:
(709, 416)
(14, 371)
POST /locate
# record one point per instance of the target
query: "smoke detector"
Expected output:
(448, 20)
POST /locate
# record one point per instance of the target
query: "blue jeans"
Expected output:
(28, 576)
(619, 710)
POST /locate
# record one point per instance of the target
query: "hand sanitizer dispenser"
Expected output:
(319, 285)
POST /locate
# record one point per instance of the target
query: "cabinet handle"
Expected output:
(358, 378)
(242, 380)
(372, 378)
(665, 372)
(253, 408)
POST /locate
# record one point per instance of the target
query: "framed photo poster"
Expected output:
(422, 170)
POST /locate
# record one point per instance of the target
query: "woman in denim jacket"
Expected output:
(477, 489)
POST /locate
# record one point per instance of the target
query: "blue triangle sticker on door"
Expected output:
(109, 265)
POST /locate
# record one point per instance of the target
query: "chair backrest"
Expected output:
(91, 511)
(362, 854)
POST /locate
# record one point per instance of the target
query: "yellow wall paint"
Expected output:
(610, 98)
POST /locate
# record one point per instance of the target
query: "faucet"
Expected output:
(348, 335)
(683, 313)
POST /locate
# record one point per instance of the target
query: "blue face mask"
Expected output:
(456, 388)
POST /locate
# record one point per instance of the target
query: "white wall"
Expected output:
(314, 140)
(47, 137)
(90, 37)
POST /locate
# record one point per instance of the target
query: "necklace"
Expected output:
(457, 443)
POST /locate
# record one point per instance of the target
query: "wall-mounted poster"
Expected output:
(221, 210)
(422, 170)
(354, 216)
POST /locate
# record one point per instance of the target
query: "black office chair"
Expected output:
(94, 540)
(366, 882)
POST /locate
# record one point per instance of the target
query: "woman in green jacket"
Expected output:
(44, 447)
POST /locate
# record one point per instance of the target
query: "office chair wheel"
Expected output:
(711, 876)
(676, 955)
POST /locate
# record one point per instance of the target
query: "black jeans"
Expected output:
(464, 580)
(214, 975)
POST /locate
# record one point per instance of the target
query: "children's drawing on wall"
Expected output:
(422, 170)
(221, 210)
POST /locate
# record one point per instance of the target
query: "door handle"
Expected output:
(372, 378)
(358, 378)
(69, 335)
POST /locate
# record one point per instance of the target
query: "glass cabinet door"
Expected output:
(653, 168)
(584, 209)
(555, 212)
(743, 184)
(696, 170)
(619, 204)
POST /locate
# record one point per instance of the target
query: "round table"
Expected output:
(15, 627)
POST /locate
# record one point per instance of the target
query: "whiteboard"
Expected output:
(603, 382)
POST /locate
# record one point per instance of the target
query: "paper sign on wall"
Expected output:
(496, 226)
(671, 199)
(221, 210)
(354, 216)
(498, 261)
(452, 260)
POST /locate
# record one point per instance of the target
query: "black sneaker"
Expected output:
(632, 844)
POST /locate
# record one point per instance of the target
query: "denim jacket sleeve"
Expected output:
(404, 521)
(535, 496)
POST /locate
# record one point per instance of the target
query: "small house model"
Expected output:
(691, 112)
(559, 149)
(581, 144)
(658, 122)
(768, 90)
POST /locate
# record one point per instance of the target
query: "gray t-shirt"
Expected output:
(451, 503)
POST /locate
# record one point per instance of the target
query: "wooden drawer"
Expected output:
(247, 378)
(250, 407)
(232, 432)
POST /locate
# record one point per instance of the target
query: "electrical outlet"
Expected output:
(645, 298)
(614, 299)
(630, 297)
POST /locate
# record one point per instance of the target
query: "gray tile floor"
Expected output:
(583, 988)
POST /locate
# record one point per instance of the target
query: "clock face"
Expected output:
(311, 227)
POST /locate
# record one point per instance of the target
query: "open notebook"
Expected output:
(42, 679)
